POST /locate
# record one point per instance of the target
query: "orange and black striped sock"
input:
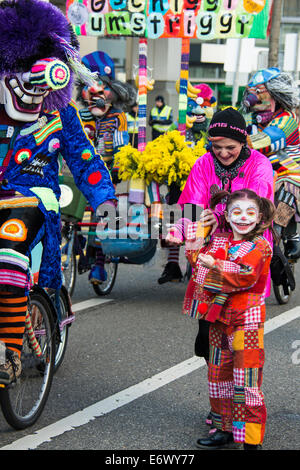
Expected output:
(12, 320)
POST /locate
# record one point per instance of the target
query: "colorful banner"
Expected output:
(201, 19)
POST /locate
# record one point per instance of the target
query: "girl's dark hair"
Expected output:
(266, 208)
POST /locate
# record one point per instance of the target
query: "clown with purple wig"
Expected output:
(38, 123)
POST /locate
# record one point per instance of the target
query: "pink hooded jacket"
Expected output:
(256, 174)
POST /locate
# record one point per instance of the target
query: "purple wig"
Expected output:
(32, 30)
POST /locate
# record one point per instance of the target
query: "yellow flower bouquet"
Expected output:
(167, 159)
(128, 162)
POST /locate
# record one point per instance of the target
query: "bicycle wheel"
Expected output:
(23, 401)
(62, 335)
(68, 261)
(105, 287)
(283, 294)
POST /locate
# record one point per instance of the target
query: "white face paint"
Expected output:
(243, 216)
(22, 101)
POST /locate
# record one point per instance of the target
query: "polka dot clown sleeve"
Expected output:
(89, 171)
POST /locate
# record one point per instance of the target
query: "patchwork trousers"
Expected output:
(18, 229)
(236, 361)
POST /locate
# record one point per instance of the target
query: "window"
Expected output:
(291, 8)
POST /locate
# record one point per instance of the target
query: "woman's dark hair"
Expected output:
(266, 208)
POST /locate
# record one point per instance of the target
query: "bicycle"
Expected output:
(282, 271)
(76, 261)
(44, 345)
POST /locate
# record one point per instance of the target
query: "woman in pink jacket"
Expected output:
(229, 165)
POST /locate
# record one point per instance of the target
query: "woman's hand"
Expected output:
(207, 261)
(208, 218)
(171, 239)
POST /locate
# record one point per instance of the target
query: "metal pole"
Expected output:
(236, 80)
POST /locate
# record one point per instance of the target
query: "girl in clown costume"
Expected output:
(227, 288)
(229, 165)
(38, 122)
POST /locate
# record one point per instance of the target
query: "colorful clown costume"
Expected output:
(236, 351)
(269, 104)
(109, 132)
(282, 132)
(32, 171)
(39, 58)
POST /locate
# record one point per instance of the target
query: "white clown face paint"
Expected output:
(243, 215)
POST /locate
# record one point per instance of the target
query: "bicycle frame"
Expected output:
(36, 256)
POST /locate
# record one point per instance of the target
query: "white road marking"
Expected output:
(122, 398)
(89, 304)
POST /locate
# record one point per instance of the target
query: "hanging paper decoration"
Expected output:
(200, 19)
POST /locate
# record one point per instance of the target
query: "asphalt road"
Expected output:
(129, 370)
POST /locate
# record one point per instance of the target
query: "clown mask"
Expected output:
(258, 100)
(23, 94)
(243, 215)
(22, 100)
(99, 98)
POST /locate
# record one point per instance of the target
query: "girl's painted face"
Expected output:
(243, 215)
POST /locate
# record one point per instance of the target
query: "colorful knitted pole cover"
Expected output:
(143, 43)
(184, 76)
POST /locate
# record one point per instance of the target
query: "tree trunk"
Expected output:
(276, 11)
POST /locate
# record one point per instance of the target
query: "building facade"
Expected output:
(207, 60)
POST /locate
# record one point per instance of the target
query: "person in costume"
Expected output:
(105, 104)
(104, 118)
(161, 117)
(229, 279)
(269, 103)
(229, 165)
(38, 122)
(200, 109)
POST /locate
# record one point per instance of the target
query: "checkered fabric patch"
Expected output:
(221, 390)
(255, 414)
(218, 243)
(238, 377)
(253, 396)
(251, 326)
(243, 249)
(238, 431)
(191, 231)
(230, 267)
(252, 315)
(201, 273)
